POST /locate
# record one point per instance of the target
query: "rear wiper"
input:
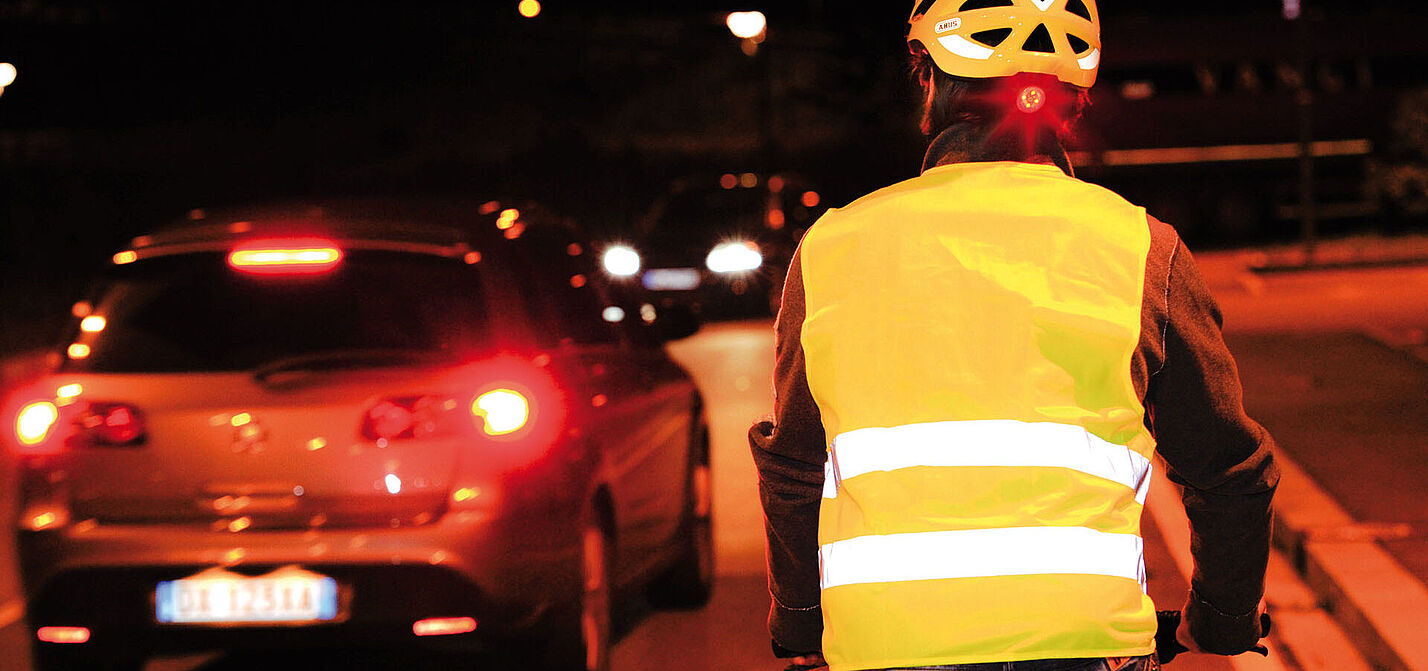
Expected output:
(344, 358)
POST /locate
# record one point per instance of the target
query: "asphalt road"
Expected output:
(1288, 332)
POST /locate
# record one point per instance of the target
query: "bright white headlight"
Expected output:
(734, 257)
(621, 261)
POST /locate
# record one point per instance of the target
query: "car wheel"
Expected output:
(582, 640)
(689, 582)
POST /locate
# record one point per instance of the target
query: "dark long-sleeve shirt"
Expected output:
(1190, 388)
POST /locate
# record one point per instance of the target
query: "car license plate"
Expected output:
(289, 595)
(671, 279)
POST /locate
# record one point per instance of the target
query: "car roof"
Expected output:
(440, 226)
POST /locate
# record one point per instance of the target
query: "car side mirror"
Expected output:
(675, 321)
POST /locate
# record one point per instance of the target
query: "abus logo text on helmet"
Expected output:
(949, 24)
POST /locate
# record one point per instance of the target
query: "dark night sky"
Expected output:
(94, 63)
(126, 113)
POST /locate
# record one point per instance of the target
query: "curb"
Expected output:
(1380, 605)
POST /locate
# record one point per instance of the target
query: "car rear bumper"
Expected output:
(468, 564)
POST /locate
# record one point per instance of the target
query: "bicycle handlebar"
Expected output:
(1167, 647)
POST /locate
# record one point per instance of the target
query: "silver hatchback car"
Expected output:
(358, 425)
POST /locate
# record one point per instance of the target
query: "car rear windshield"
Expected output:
(192, 312)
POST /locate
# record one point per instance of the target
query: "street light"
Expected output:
(529, 8)
(7, 76)
(747, 25)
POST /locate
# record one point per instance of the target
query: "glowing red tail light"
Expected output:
(46, 427)
(502, 411)
(286, 257)
(443, 626)
(34, 424)
(63, 634)
(510, 400)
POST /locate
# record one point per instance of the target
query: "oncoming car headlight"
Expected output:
(621, 261)
(734, 257)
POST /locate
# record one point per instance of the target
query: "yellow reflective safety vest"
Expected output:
(968, 340)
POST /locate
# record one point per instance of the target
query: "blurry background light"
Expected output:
(746, 25)
(621, 261)
(35, 421)
(776, 219)
(7, 74)
(529, 8)
(733, 257)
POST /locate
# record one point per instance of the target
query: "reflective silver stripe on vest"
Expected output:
(986, 442)
(981, 553)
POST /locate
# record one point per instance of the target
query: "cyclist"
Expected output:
(974, 369)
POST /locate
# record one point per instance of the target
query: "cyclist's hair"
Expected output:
(949, 100)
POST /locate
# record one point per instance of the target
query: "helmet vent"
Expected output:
(1078, 45)
(1040, 41)
(1078, 7)
(922, 8)
(993, 38)
(983, 4)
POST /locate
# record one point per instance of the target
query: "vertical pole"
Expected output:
(1304, 99)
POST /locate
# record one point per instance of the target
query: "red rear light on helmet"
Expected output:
(286, 257)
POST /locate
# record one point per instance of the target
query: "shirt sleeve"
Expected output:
(1222, 459)
(789, 452)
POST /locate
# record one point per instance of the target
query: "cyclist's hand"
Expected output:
(1182, 636)
(1182, 633)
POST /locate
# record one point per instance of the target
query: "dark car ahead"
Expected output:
(720, 244)
(358, 425)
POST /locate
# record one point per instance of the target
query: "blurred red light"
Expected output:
(402, 417)
(286, 257)
(444, 626)
(63, 634)
(502, 411)
(518, 404)
(120, 424)
(34, 423)
(1031, 99)
(776, 219)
